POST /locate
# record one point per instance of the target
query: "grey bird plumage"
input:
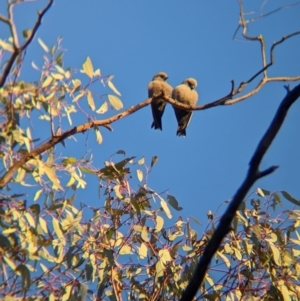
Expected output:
(156, 87)
(186, 94)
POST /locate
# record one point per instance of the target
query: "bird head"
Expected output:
(191, 82)
(160, 76)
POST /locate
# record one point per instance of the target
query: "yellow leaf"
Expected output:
(260, 192)
(103, 109)
(76, 83)
(224, 258)
(9, 230)
(159, 223)
(90, 100)
(112, 86)
(276, 254)
(56, 227)
(76, 98)
(115, 102)
(141, 161)
(165, 207)
(164, 256)
(284, 290)
(9, 262)
(125, 250)
(52, 177)
(99, 138)
(60, 69)
(47, 82)
(57, 76)
(88, 67)
(139, 175)
(97, 72)
(43, 45)
(21, 174)
(143, 251)
(43, 225)
(118, 192)
(6, 46)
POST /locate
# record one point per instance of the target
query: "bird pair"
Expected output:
(184, 93)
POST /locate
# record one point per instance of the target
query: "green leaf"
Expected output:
(43, 45)
(88, 67)
(290, 198)
(103, 109)
(87, 170)
(90, 100)
(26, 33)
(25, 274)
(111, 85)
(59, 59)
(195, 220)
(121, 152)
(70, 160)
(173, 202)
(115, 102)
(83, 291)
(154, 160)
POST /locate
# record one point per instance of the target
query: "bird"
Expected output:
(156, 87)
(186, 94)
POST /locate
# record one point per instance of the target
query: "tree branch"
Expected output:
(253, 175)
(75, 130)
(19, 50)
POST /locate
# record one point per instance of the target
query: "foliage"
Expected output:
(129, 246)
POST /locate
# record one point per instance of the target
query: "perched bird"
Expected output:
(185, 93)
(156, 87)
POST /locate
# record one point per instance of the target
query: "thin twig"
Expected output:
(19, 50)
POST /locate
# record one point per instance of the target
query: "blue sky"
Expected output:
(135, 39)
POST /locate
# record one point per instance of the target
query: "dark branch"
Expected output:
(17, 51)
(253, 175)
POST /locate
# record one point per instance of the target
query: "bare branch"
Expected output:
(18, 50)
(12, 26)
(253, 175)
(37, 24)
(4, 19)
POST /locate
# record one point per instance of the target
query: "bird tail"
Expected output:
(181, 131)
(157, 125)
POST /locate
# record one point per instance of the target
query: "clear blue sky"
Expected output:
(135, 39)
